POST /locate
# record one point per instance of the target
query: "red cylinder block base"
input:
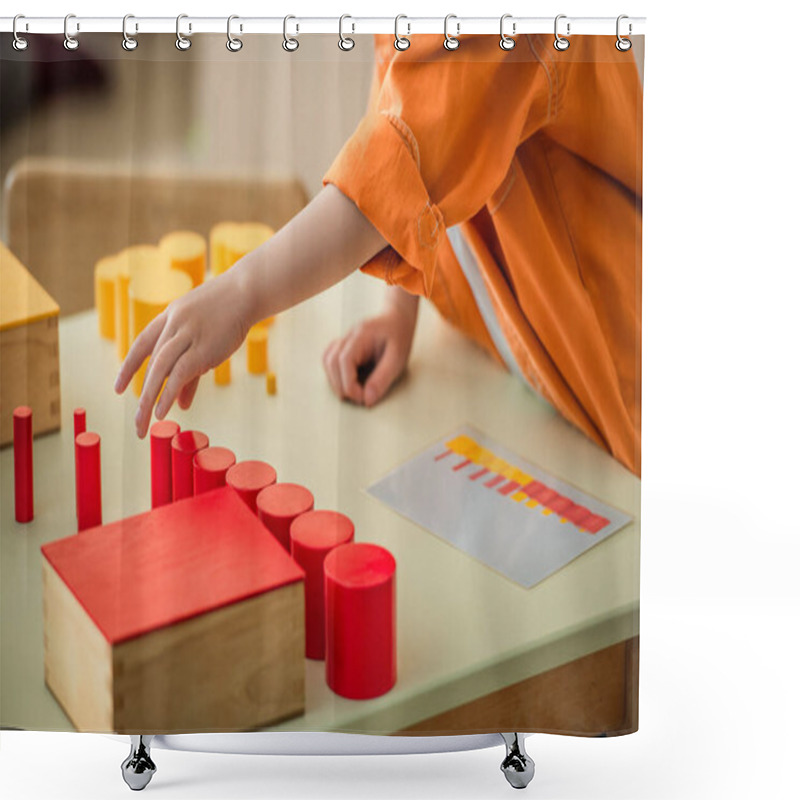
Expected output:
(211, 464)
(279, 504)
(90, 499)
(360, 620)
(23, 464)
(184, 446)
(248, 478)
(161, 435)
(313, 535)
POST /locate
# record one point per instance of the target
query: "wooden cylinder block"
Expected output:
(130, 261)
(161, 435)
(313, 535)
(105, 281)
(90, 500)
(152, 288)
(360, 620)
(222, 373)
(220, 254)
(187, 252)
(23, 464)
(210, 466)
(279, 504)
(184, 446)
(257, 354)
(248, 478)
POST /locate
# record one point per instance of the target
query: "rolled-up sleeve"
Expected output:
(436, 142)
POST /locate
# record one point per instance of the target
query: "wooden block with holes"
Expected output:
(187, 618)
(29, 373)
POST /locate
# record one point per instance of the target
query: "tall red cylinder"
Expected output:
(184, 446)
(90, 499)
(211, 464)
(248, 478)
(360, 620)
(279, 504)
(23, 464)
(78, 427)
(161, 435)
(313, 535)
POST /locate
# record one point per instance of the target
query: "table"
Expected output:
(555, 657)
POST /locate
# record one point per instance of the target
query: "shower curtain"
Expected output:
(321, 385)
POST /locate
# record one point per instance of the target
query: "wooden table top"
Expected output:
(464, 630)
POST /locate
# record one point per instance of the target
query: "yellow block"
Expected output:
(151, 290)
(105, 279)
(222, 373)
(131, 259)
(257, 358)
(272, 384)
(231, 241)
(220, 235)
(187, 252)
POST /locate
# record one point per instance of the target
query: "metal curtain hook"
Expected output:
(128, 42)
(506, 42)
(623, 45)
(19, 43)
(345, 42)
(181, 42)
(233, 44)
(400, 42)
(451, 42)
(290, 44)
(70, 42)
(561, 43)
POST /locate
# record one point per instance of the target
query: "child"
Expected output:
(505, 186)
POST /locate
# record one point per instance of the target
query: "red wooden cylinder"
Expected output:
(279, 504)
(248, 478)
(313, 535)
(78, 427)
(161, 435)
(360, 620)
(184, 446)
(90, 499)
(211, 464)
(23, 464)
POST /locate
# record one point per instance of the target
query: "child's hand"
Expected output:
(382, 343)
(194, 334)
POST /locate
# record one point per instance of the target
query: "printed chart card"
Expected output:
(514, 517)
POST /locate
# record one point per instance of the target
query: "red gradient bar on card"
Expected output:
(496, 481)
(509, 488)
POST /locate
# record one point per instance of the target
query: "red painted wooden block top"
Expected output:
(170, 564)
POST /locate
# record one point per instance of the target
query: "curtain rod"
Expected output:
(457, 26)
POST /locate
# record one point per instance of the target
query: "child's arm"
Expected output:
(382, 342)
(324, 243)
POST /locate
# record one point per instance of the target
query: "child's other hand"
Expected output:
(384, 342)
(191, 336)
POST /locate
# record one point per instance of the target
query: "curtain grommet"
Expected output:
(233, 44)
(623, 44)
(129, 43)
(507, 42)
(561, 43)
(181, 41)
(290, 44)
(19, 43)
(70, 42)
(346, 44)
(451, 42)
(401, 43)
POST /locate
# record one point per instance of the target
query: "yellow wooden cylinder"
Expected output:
(152, 289)
(130, 261)
(246, 238)
(257, 357)
(105, 279)
(272, 383)
(220, 237)
(222, 373)
(187, 252)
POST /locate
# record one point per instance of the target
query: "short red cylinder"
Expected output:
(90, 496)
(161, 435)
(23, 464)
(248, 478)
(78, 427)
(313, 535)
(184, 446)
(211, 464)
(279, 504)
(360, 620)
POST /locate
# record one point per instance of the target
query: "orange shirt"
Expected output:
(536, 155)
